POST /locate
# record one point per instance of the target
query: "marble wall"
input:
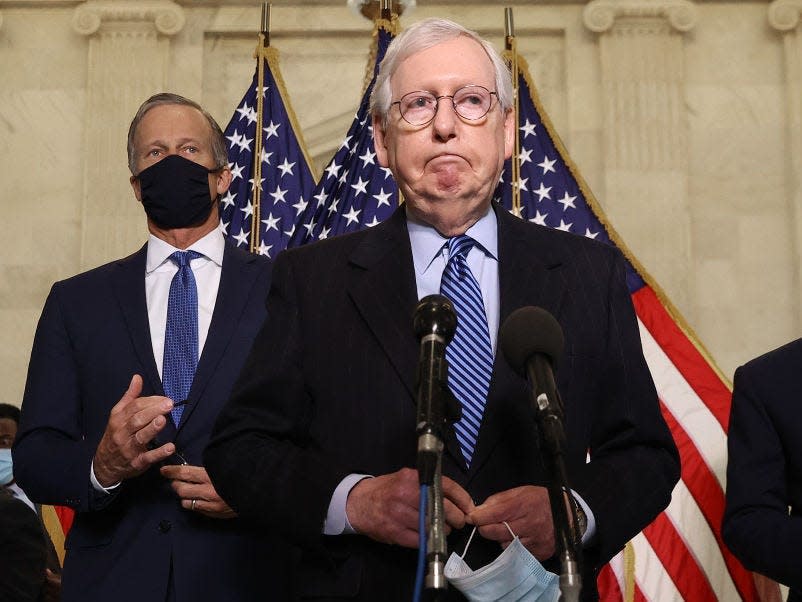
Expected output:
(684, 117)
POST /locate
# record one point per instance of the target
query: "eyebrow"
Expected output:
(181, 142)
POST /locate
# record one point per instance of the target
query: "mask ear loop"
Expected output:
(473, 532)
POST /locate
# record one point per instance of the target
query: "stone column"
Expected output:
(786, 17)
(645, 132)
(128, 52)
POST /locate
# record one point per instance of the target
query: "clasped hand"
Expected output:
(385, 508)
(134, 421)
(126, 451)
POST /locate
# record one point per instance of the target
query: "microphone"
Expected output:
(532, 340)
(434, 323)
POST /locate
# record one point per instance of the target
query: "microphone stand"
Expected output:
(434, 322)
(430, 473)
(567, 537)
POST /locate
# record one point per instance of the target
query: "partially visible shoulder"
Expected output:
(240, 256)
(99, 276)
(559, 244)
(327, 251)
(788, 357)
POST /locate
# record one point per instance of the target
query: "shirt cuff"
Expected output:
(336, 522)
(96, 484)
(590, 531)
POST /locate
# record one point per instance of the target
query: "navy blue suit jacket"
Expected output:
(329, 389)
(764, 470)
(92, 337)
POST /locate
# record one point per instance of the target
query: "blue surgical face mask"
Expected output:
(515, 575)
(6, 472)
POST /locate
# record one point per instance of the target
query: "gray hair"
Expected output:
(218, 141)
(421, 36)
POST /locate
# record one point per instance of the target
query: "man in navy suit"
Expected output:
(763, 515)
(318, 440)
(98, 432)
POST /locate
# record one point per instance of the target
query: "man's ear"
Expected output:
(223, 180)
(135, 185)
(509, 133)
(379, 141)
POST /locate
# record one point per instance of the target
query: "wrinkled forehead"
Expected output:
(172, 120)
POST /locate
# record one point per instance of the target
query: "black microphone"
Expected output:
(434, 323)
(532, 341)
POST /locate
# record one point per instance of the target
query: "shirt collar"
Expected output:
(211, 246)
(427, 242)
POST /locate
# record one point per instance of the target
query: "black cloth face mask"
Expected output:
(175, 192)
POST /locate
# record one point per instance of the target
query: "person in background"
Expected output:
(130, 365)
(762, 522)
(29, 564)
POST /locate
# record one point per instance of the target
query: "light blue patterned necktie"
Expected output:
(470, 354)
(181, 334)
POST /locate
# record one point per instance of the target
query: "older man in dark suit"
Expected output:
(318, 440)
(130, 365)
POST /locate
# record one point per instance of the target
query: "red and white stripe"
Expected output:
(681, 556)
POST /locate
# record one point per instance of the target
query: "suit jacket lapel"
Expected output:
(232, 297)
(529, 274)
(381, 284)
(129, 288)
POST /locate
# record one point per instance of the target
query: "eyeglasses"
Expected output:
(470, 102)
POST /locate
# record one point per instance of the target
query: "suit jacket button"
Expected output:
(164, 526)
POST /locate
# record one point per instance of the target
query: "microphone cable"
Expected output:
(419, 572)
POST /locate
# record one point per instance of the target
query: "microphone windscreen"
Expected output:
(527, 331)
(435, 314)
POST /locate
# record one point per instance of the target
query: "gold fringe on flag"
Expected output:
(55, 530)
(629, 572)
(390, 26)
(611, 232)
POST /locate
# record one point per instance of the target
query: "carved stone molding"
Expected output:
(167, 17)
(601, 15)
(784, 15)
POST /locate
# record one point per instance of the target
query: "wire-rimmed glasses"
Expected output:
(470, 102)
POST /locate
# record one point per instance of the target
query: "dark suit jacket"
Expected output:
(92, 336)
(328, 390)
(764, 471)
(23, 551)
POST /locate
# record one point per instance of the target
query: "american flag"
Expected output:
(354, 191)
(681, 555)
(286, 183)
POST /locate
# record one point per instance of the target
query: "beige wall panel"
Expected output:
(732, 265)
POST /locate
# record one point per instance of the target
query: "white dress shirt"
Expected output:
(159, 272)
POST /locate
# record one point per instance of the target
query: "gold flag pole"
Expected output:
(511, 46)
(260, 54)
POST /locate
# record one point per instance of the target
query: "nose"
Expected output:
(445, 119)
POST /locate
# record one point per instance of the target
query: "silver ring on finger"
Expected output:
(194, 501)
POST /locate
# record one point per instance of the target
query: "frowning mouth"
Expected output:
(446, 158)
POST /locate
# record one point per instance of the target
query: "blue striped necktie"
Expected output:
(470, 354)
(181, 333)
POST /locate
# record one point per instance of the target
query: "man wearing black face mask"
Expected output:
(131, 363)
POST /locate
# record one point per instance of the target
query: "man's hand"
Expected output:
(51, 590)
(192, 485)
(385, 508)
(528, 513)
(134, 421)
